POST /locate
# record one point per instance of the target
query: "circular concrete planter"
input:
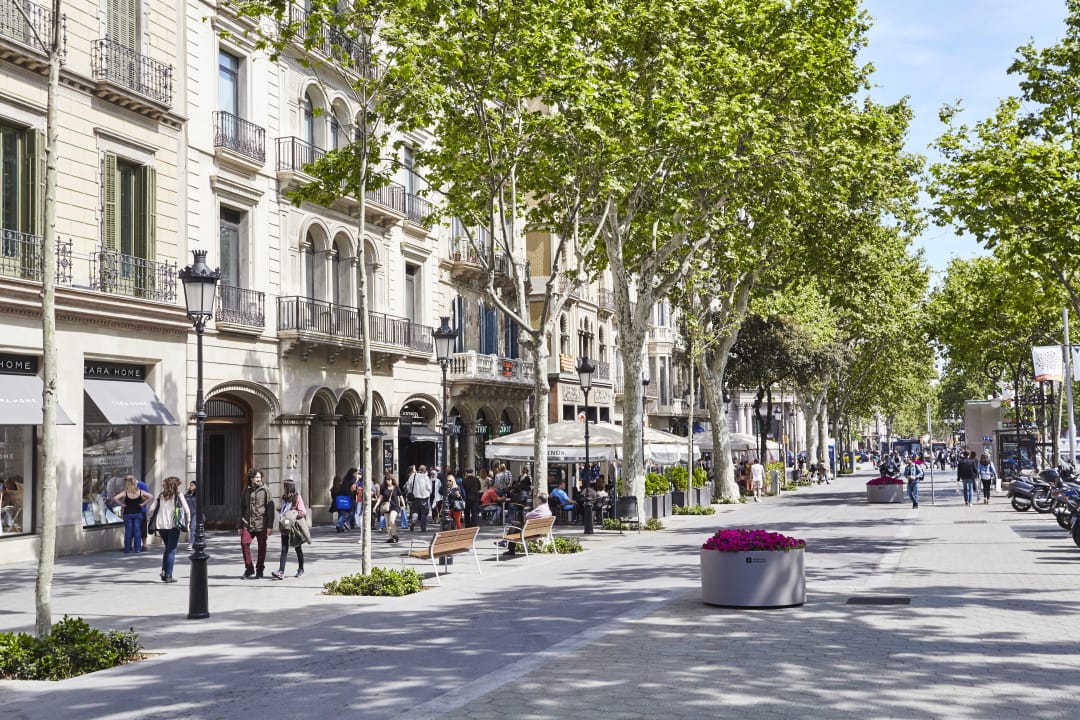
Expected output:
(892, 493)
(753, 579)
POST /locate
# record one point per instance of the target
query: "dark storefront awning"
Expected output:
(420, 434)
(20, 401)
(127, 403)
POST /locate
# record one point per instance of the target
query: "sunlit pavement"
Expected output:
(982, 605)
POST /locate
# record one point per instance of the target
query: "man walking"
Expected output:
(256, 521)
(418, 490)
(914, 473)
(471, 486)
(967, 472)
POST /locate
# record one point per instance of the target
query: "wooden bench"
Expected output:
(533, 529)
(444, 544)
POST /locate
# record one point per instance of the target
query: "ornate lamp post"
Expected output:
(644, 407)
(444, 348)
(585, 370)
(200, 289)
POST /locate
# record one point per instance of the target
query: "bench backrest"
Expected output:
(537, 527)
(449, 540)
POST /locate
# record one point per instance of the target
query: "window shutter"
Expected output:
(146, 243)
(37, 202)
(110, 193)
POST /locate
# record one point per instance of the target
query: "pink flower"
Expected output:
(742, 540)
(885, 480)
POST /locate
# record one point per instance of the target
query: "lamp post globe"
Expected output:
(445, 337)
(585, 369)
(200, 290)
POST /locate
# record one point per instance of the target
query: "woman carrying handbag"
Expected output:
(292, 516)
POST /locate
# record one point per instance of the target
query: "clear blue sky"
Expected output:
(944, 51)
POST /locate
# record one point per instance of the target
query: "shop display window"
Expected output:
(16, 479)
(110, 452)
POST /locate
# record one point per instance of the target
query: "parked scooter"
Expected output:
(1021, 490)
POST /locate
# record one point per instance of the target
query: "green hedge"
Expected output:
(694, 510)
(71, 648)
(565, 546)
(382, 582)
(656, 484)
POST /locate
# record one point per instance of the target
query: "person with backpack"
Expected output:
(342, 501)
(168, 515)
(987, 473)
(292, 520)
(914, 473)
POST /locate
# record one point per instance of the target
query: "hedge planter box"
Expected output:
(753, 578)
(891, 493)
(658, 506)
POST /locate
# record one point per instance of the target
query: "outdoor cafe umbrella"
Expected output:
(566, 444)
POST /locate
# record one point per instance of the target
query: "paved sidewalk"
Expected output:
(616, 632)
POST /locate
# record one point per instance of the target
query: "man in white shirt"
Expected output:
(757, 479)
(418, 490)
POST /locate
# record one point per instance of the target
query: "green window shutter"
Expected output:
(146, 243)
(37, 202)
(110, 193)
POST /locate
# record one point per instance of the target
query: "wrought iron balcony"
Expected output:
(239, 135)
(240, 306)
(22, 255)
(295, 155)
(343, 322)
(419, 209)
(390, 196)
(603, 371)
(605, 300)
(34, 31)
(121, 66)
(118, 274)
(333, 43)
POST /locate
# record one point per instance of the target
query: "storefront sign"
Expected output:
(114, 371)
(18, 364)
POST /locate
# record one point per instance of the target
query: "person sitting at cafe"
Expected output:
(491, 502)
(542, 510)
(559, 495)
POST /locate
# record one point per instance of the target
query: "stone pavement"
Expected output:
(615, 632)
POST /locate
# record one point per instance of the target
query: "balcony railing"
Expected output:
(390, 196)
(306, 314)
(332, 43)
(603, 370)
(123, 66)
(21, 256)
(240, 306)
(419, 209)
(489, 368)
(605, 299)
(294, 155)
(239, 135)
(36, 24)
(463, 251)
(119, 274)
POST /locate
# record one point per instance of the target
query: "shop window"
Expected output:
(110, 452)
(16, 479)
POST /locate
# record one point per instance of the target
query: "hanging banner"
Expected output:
(1075, 363)
(1048, 363)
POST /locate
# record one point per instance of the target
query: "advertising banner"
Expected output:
(1048, 363)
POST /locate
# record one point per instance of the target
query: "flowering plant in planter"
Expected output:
(743, 540)
(885, 480)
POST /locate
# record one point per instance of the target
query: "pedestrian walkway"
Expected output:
(981, 604)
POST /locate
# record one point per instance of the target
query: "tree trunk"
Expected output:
(541, 391)
(49, 455)
(362, 302)
(723, 467)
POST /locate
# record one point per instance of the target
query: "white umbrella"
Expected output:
(566, 444)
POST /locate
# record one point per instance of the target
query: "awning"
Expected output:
(127, 403)
(20, 401)
(420, 434)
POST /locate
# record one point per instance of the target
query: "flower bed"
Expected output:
(885, 480)
(885, 489)
(744, 540)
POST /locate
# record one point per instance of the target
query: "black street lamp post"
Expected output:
(481, 433)
(444, 347)
(200, 288)
(644, 408)
(585, 370)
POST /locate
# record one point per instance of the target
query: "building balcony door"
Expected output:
(226, 454)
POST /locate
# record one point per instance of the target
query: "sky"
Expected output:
(938, 52)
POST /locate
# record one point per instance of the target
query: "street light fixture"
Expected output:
(200, 289)
(585, 370)
(444, 336)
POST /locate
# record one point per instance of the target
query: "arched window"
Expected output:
(336, 290)
(309, 267)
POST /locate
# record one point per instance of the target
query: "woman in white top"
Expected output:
(169, 514)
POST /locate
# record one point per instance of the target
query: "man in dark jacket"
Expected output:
(967, 471)
(256, 521)
(471, 486)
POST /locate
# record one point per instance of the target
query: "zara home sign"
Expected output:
(114, 371)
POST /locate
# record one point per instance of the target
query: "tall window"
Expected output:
(489, 330)
(309, 268)
(337, 288)
(665, 382)
(228, 83)
(459, 311)
(229, 249)
(22, 162)
(122, 22)
(510, 337)
(130, 208)
(411, 287)
(308, 120)
(408, 179)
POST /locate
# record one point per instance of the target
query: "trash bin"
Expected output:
(774, 482)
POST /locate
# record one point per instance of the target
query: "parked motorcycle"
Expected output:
(1020, 493)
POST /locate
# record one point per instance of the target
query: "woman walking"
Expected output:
(342, 502)
(456, 500)
(190, 497)
(391, 503)
(987, 473)
(169, 514)
(133, 501)
(292, 516)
